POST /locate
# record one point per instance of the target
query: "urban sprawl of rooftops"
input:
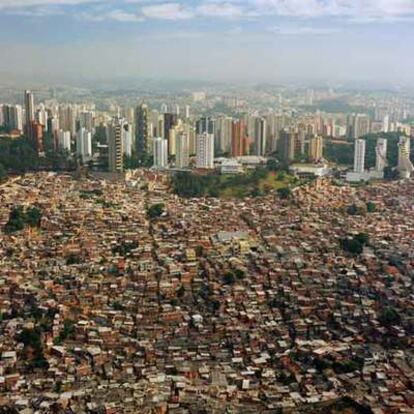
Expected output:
(121, 297)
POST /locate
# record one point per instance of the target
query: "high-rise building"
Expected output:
(36, 136)
(315, 149)
(86, 120)
(287, 146)
(405, 166)
(13, 117)
(187, 111)
(238, 139)
(84, 144)
(170, 121)
(358, 125)
(206, 124)
(64, 140)
(127, 139)
(160, 153)
(141, 129)
(42, 117)
(115, 146)
(381, 155)
(224, 133)
(182, 150)
(359, 156)
(260, 131)
(205, 151)
(30, 111)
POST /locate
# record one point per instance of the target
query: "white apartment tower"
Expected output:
(160, 153)
(84, 144)
(405, 166)
(205, 151)
(359, 156)
(381, 155)
(64, 141)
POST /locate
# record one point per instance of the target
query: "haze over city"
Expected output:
(254, 40)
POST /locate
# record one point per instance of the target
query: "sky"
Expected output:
(246, 40)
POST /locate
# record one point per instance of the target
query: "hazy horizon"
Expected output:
(211, 40)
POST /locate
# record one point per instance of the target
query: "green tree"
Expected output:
(284, 193)
(3, 172)
(363, 238)
(389, 316)
(229, 278)
(16, 220)
(33, 217)
(371, 207)
(352, 245)
(155, 210)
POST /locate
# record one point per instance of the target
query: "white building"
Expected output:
(359, 156)
(381, 155)
(64, 140)
(127, 139)
(182, 158)
(160, 153)
(359, 174)
(84, 144)
(405, 166)
(205, 151)
(42, 116)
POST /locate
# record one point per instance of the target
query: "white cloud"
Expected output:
(167, 11)
(302, 30)
(221, 9)
(115, 15)
(4, 4)
(343, 8)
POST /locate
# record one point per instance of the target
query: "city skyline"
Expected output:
(252, 40)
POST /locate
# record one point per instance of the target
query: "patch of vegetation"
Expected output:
(254, 184)
(20, 219)
(155, 211)
(33, 348)
(389, 317)
(356, 244)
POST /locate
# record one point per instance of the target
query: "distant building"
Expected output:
(160, 153)
(170, 121)
(405, 166)
(381, 155)
(29, 111)
(359, 156)
(84, 144)
(182, 151)
(260, 141)
(359, 174)
(64, 140)
(287, 146)
(13, 117)
(238, 139)
(205, 151)
(115, 146)
(141, 129)
(206, 124)
(127, 139)
(315, 151)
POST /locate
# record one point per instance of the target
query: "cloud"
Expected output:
(115, 15)
(8, 4)
(302, 30)
(221, 9)
(167, 11)
(343, 8)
